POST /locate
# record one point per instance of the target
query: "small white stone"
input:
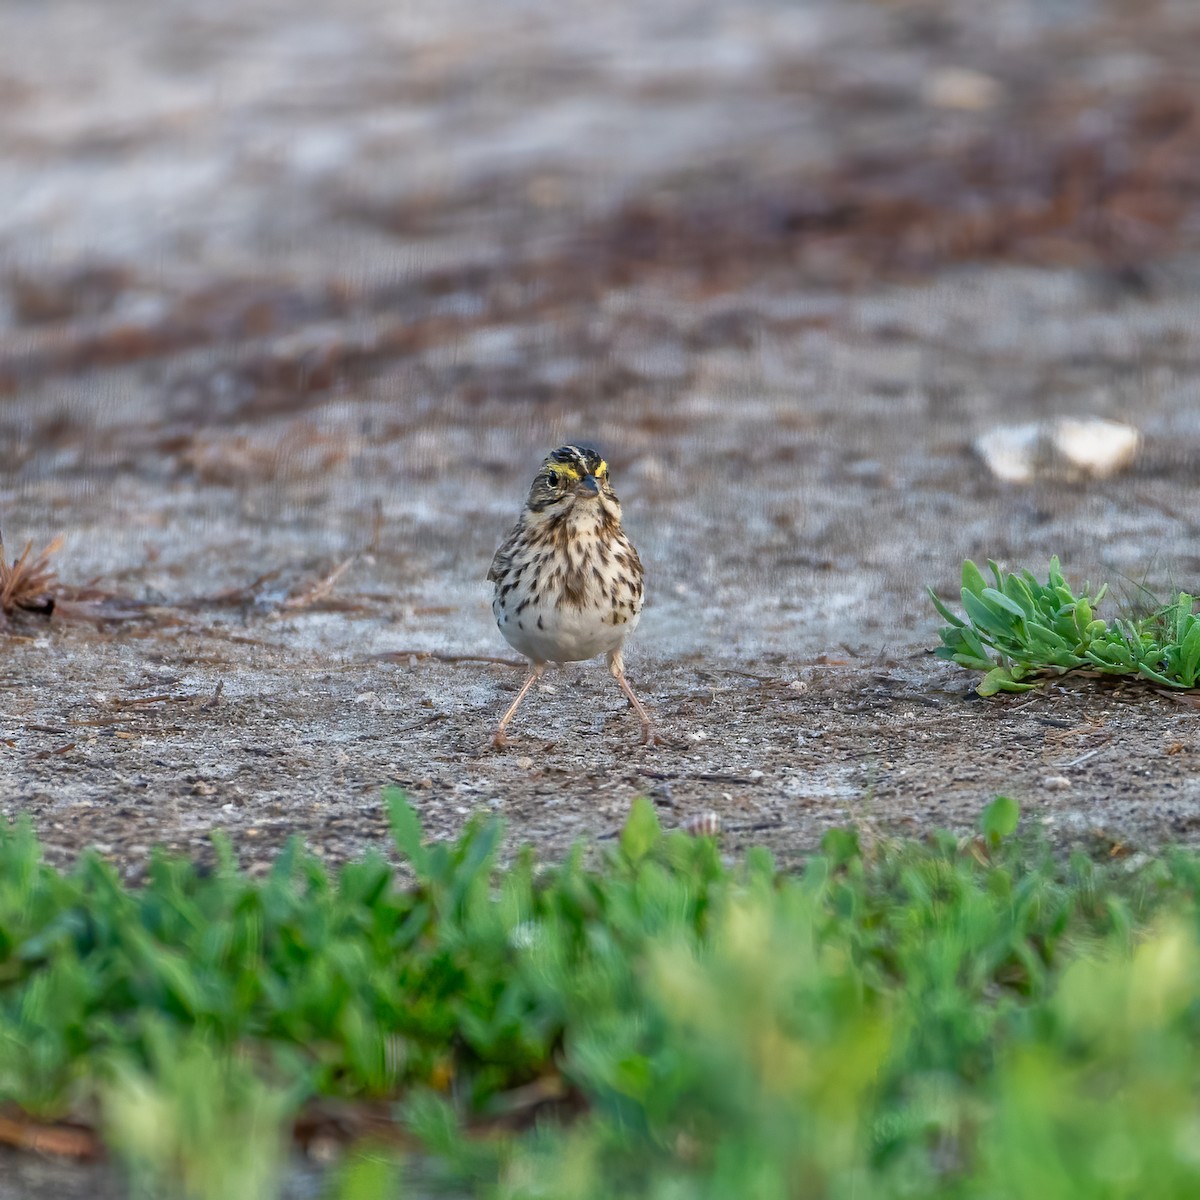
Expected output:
(1096, 447)
(1070, 448)
(962, 89)
(1056, 783)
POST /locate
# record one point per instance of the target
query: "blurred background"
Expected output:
(295, 296)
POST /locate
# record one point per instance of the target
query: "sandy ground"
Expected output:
(285, 291)
(292, 302)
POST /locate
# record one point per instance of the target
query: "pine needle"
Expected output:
(28, 583)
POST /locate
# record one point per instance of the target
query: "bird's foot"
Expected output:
(650, 735)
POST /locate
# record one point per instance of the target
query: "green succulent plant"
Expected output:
(1021, 632)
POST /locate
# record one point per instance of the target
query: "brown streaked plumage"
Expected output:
(568, 582)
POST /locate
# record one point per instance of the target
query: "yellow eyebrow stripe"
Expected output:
(569, 469)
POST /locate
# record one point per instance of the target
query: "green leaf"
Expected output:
(1000, 819)
(1056, 576)
(368, 1175)
(954, 620)
(1183, 614)
(984, 617)
(1190, 655)
(972, 580)
(1083, 617)
(971, 661)
(999, 679)
(974, 646)
(1017, 590)
(1047, 637)
(641, 830)
(1000, 600)
(1111, 656)
(1147, 672)
(406, 830)
(841, 845)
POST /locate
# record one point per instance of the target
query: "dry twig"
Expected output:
(59, 1139)
(402, 656)
(321, 588)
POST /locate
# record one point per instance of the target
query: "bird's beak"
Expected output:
(588, 486)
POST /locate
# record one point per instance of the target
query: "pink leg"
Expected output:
(535, 673)
(617, 666)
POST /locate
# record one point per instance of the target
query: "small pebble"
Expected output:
(705, 824)
(324, 1150)
(1056, 783)
(961, 88)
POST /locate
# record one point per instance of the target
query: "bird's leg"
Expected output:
(535, 673)
(617, 666)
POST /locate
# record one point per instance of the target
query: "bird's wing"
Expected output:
(635, 565)
(503, 554)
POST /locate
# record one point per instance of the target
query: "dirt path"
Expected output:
(285, 292)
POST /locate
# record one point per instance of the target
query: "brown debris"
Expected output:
(321, 589)
(1035, 185)
(1064, 197)
(86, 290)
(30, 585)
(229, 310)
(403, 656)
(325, 1124)
(60, 1139)
(1052, 193)
(102, 608)
(27, 584)
(302, 452)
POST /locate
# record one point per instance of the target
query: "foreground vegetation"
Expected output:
(954, 1018)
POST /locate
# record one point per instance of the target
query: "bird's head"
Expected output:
(572, 476)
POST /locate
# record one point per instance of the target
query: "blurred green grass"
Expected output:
(955, 1017)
